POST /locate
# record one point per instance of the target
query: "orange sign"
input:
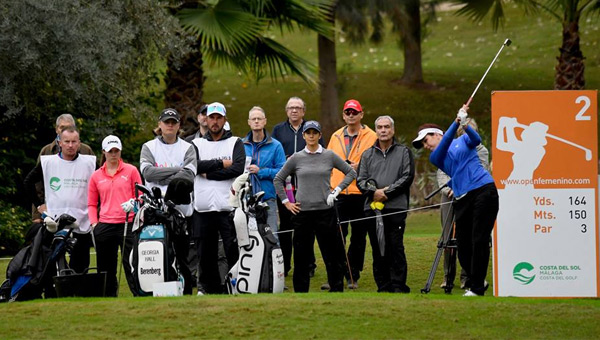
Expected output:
(545, 165)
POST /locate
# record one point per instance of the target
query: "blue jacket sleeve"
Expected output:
(269, 172)
(474, 138)
(438, 155)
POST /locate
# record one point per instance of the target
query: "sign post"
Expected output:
(545, 165)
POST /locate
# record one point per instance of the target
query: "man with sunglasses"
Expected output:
(349, 142)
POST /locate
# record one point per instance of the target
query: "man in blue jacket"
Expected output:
(267, 159)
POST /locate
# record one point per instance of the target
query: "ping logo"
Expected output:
(55, 183)
(523, 273)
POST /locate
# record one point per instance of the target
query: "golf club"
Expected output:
(122, 250)
(337, 216)
(507, 42)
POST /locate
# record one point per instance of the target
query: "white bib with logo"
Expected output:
(66, 187)
(210, 195)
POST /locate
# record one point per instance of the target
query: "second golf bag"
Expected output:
(29, 274)
(259, 268)
(153, 257)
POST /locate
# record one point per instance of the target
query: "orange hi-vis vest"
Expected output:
(365, 139)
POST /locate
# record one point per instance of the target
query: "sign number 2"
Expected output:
(586, 105)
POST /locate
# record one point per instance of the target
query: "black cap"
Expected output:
(203, 109)
(167, 114)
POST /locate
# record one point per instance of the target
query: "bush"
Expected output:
(13, 222)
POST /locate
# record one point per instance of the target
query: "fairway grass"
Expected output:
(359, 314)
(303, 316)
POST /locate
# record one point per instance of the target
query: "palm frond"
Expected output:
(264, 57)
(476, 10)
(226, 26)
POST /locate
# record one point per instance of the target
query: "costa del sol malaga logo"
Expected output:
(523, 273)
(55, 183)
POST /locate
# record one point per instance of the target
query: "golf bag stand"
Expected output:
(446, 241)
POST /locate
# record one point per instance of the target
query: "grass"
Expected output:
(353, 314)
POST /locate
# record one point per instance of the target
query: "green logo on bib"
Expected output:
(55, 183)
(522, 273)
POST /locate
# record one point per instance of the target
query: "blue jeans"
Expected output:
(272, 217)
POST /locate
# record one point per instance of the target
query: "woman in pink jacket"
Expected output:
(111, 185)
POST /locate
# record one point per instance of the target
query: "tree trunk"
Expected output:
(410, 35)
(330, 113)
(184, 88)
(570, 67)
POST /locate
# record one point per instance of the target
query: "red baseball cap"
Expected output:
(353, 104)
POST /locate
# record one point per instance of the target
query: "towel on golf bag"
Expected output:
(259, 268)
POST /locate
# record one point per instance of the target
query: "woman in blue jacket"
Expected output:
(476, 198)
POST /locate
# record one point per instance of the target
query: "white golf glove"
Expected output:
(331, 198)
(128, 206)
(462, 116)
(51, 225)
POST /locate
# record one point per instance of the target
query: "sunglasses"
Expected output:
(351, 113)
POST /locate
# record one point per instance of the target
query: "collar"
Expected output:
(119, 167)
(319, 150)
(357, 133)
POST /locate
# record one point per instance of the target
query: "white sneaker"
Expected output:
(200, 293)
(469, 293)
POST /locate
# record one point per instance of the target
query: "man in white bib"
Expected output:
(221, 159)
(169, 159)
(65, 177)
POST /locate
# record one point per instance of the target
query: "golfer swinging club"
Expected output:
(476, 198)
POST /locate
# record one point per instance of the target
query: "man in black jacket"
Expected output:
(385, 174)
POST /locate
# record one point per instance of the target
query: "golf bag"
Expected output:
(153, 257)
(30, 272)
(259, 268)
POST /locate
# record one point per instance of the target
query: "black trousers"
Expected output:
(181, 243)
(285, 237)
(207, 227)
(475, 216)
(351, 207)
(80, 255)
(109, 237)
(390, 270)
(319, 223)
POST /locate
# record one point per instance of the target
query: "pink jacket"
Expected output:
(111, 191)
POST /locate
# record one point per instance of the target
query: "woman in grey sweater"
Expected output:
(313, 213)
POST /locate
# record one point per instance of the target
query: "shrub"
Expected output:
(13, 222)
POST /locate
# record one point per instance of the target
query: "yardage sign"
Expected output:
(545, 165)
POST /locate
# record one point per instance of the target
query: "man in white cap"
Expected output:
(169, 162)
(221, 158)
(66, 176)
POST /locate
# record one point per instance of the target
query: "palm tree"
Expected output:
(233, 32)
(570, 67)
